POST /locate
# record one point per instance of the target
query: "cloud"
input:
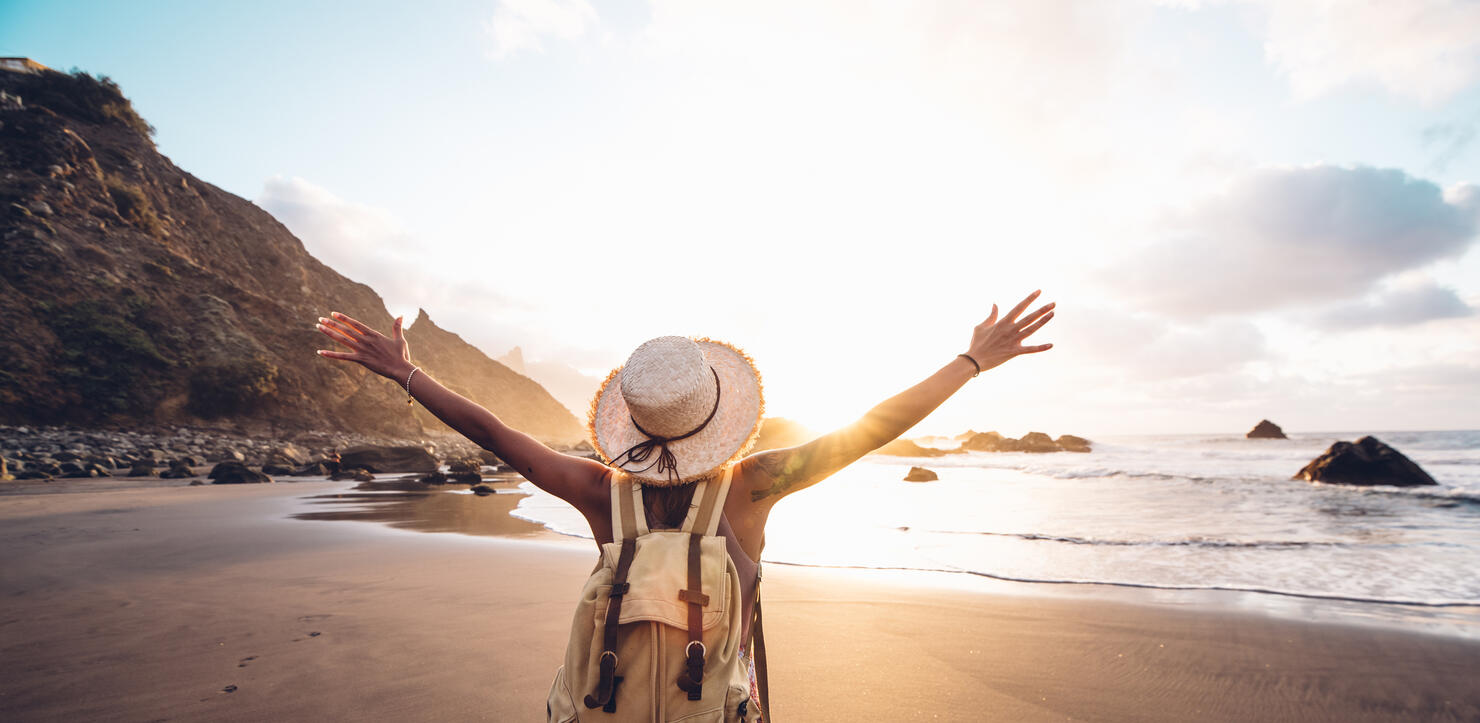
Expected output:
(1428, 50)
(518, 25)
(1145, 347)
(1285, 236)
(371, 246)
(1399, 307)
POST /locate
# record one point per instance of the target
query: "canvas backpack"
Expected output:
(656, 635)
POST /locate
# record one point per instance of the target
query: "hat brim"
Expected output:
(727, 437)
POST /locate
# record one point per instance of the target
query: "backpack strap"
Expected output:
(625, 525)
(758, 651)
(626, 501)
(708, 505)
(703, 521)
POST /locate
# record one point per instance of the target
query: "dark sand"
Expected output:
(150, 604)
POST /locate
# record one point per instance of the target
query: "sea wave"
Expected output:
(1434, 603)
(1178, 542)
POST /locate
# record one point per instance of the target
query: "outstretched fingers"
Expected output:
(356, 325)
(1036, 321)
(1012, 315)
(338, 334)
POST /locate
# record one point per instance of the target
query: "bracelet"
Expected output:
(967, 357)
(414, 370)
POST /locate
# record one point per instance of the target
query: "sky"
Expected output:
(1245, 209)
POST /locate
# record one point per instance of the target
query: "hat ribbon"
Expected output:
(666, 462)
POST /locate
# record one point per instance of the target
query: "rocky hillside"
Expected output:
(135, 293)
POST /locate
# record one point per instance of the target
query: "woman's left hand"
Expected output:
(387, 356)
(995, 341)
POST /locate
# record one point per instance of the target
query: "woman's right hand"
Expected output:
(387, 356)
(995, 341)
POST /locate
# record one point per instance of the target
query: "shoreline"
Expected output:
(492, 520)
(214, 603)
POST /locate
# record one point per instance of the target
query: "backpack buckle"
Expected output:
(620, 589)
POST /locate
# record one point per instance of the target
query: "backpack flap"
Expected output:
(660, 571)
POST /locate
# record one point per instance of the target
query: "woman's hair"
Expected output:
(667, 506)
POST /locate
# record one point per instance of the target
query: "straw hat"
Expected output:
(677, 410)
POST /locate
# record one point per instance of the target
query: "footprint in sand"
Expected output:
(229, 689)
(243, 662)
(313, 634)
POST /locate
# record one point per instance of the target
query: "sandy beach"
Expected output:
(213, 603)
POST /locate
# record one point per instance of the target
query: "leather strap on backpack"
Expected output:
(606, 687)
(758, 652)
(704, 520)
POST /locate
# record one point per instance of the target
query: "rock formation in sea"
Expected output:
(135, 293)
(1032, 442)
(1366, 462)
(1266, 429)
(920, 474)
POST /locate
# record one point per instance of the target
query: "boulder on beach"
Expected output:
(276, 469)
(403, 458)
(1266, 429)
(920, 474)
(906, 448)
(142, 468)
(482, 490)
(358, 474)
(435, 477)
(286, 455)
(233, 472)
(5, 470)
(1366, 462)
(178, 470)
(1071, 443)
(492, 459)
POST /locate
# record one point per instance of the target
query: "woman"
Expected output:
(682, 411)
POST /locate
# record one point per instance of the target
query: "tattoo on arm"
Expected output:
(792, 469)
(776, 464)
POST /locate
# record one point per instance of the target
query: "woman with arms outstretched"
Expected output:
(674, 424)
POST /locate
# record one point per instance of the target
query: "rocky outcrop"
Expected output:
(134, 292)
(982, 442)
(1038, 443)
(920, 474)
(1032, 442)
(1266, 429)
(406, 458)
(1366, 462)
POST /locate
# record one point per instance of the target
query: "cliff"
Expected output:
(135, 293)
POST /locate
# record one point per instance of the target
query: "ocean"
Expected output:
(1167, 512)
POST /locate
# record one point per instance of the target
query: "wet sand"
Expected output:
(214, 603)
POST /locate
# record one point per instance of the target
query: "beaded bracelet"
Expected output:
(967, 357)
(414, 370)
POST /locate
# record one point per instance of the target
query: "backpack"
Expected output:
(656, 634)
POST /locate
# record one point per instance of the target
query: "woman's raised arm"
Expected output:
(775, 473)
(576, 480)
